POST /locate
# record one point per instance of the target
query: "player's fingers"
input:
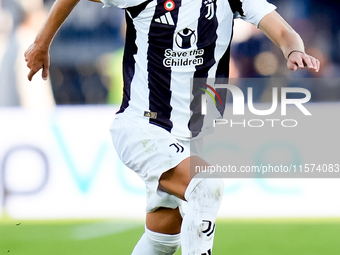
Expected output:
(317, 65)
(307, 60)
(27, 57)
(44, 73)
(27, 52)
(31, 74)
(296, 59)
(46, 66)
(291, 66)
(299, 62)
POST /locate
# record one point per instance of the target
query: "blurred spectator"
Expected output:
(15, 88)
(250, 51)
(89, 33)
(37, 93)
(11, 15)
(318, 23)
(325, 16)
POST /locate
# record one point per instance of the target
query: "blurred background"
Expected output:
(61, 183)
(86, 53)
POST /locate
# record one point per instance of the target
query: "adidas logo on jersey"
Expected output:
(165, 19)
(151, 115)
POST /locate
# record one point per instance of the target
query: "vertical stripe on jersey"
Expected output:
(207, 27)
(222, 75)
(206, 32)
(236, 6)
(129, 51)
(161, 37)
(128, 61)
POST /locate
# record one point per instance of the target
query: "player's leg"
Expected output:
(162, 233)
(164, 220)
(149, 151)
(204, 198)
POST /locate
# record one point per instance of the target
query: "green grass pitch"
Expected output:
(233, 237)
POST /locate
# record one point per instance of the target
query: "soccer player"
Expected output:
(168, 42)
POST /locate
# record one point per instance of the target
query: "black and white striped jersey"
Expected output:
(168, 42)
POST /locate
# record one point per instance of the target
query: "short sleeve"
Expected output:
(121, 3)
(255, 10)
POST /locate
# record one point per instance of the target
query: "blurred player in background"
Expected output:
(22, 20)
(168, 42)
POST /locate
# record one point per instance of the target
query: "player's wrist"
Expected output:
(295, 51)
(41, 49)
(42, 44)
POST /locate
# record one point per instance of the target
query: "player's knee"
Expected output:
(210, 189)
(164, 220)
(163, 244)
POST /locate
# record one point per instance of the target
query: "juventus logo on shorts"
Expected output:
(211, 9)
(207, 253)
(179, 147)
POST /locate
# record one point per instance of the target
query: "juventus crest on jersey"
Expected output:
(168, 43)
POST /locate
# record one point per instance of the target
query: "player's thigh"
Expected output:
(164, 220)
(147, 149)
(176, 180)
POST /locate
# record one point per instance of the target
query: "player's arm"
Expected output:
(291, 44)
(37, 55)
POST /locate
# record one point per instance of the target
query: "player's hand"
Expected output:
(298, 60)
(37, 57)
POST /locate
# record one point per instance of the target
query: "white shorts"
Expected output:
(150, 151)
